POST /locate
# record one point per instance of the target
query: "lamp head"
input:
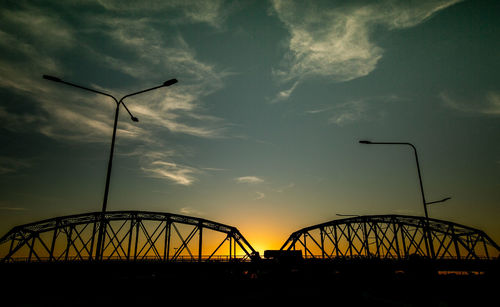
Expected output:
(365, 142)
(135, 119)
(51, 78)
(170, 82)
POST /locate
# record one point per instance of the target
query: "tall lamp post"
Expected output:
(428, 241)
(100, 238)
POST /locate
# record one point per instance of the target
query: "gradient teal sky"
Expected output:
(262, 130)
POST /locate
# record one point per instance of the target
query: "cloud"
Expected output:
(348, 112)
(284, 95)
(190, 211)
(211, 12)
(148, 56)
(249, 179)
(351, 111)
(486, 103)
(35, 25)
(214, 169)
(260, 195)
(343, 113)
(12, 165)
(170, 171)
(179, 107)
(158, 163)
(316, 111)
(147, 53)
(17, 122)
(284, 188)
(335, 42)
(493, 101)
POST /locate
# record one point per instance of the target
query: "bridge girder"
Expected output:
(128, 235)
(391, 237)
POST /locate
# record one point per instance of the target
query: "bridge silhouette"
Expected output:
(129, 235)
(392, 237)
(140, 235)
(151, 257)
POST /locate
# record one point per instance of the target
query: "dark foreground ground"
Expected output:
(353, 283)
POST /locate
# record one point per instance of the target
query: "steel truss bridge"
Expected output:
(128, 235)
(392, 237)
(166, 237)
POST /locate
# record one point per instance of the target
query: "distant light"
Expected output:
(170, 82)
(365, 142)
(52, 78)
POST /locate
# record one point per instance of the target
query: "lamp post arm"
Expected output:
(88, 89)
(165, 84)
(140, 92)
(135, 119)
(438, 201)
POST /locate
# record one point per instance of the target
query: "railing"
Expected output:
(183, 259)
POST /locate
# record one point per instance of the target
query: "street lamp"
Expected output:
(100, 240)
(428, 242)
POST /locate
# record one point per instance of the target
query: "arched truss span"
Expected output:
(128, 235)
(391, 236)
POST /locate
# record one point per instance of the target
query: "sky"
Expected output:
(261, 132)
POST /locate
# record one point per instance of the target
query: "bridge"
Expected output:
(167, 237)
(128, 235)
(392, 237)
(151, 257)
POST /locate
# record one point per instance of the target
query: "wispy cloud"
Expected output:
(486, 104)
(335, 41)
(284, 188)
(249, 179)
(17, 122)
(260, 195)
(159, 163)
(178, 174)
(10, 165)
(35, 22)
(148, 56)
(348, 112)
(214, 169)
(285, 94)
(351, 111)
(178, 108)
(190, 211)
(493, 100)
(211, 12)
(316, 111)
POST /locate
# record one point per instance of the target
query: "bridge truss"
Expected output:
(391, 237)
(128, 235)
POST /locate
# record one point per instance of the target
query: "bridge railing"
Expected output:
(182, 259)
